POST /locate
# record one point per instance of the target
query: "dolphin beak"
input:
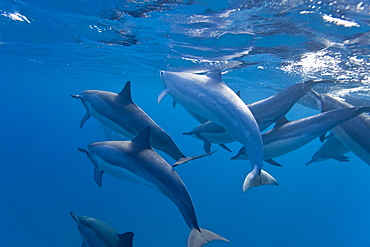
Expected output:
(75, 217)
(82, 150)
(75, 96)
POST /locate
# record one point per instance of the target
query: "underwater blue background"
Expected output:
(51, 49)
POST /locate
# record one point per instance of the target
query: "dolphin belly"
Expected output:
(284, 146)
(89, 237)
(120, 172)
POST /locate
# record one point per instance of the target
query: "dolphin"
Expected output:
(287, 136)
(208, 96)
(136, 161)
(121, 114)
(266, 112)
(331, 149)
(96, 233)
(209, 132)
(354, 134)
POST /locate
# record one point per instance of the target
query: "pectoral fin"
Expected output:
(341, 158)
(162, 95)
(98, 176)
(84, 119)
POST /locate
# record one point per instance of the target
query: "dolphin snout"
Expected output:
(74, 216)
(75, 96)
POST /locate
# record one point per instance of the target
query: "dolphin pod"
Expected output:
(121, 114)
(136, 161)
(224, 117)
(96, 233)
(353, 134)
(208, 96)
(266, 112)
(287, 136)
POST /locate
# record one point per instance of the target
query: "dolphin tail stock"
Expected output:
(187, 159)
(199, 238)
(255, 179)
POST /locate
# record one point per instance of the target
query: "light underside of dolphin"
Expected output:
(208, 96)
(121, 114)
(136, 157)
(292, 135)
(351, 133)
(96, 233)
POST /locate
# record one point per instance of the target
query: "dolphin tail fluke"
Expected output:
(254, 179)
(199, 238)
(187, 159)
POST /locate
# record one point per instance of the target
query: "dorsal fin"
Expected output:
(126, 91)
(143, 138)
(126, 239)
(215, 75)
(281, 122)
(238, 93)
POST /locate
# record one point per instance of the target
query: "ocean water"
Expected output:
(50, 49)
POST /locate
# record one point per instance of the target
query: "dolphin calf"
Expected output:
(208, 96)
(266, 112)
(287, 136)
(96, 233)
(331, 149)
(121, 114)
(136, 161)
(354, 134)
(209, 132)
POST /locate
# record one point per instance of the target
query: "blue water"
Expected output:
(50, 49)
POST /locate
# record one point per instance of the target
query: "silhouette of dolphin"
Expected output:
(331, 149)
(208, 96)
(96, 233)
(121, 114)
(354, 134)
(136, 161)
(287, 136)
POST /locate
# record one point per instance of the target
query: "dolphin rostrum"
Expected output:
(96, 233)
(287, 136)
(208, 96)
(136, 161)
(331, 149)
(121, 114)
(354, 134)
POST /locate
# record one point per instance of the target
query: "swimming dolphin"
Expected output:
(271, 109)
(208, 96)
(331, 149)
(136, 161)
(266, 112)
(121, 114)
(287, 136)
(209, 132)
(96, 233)
(354, 134)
